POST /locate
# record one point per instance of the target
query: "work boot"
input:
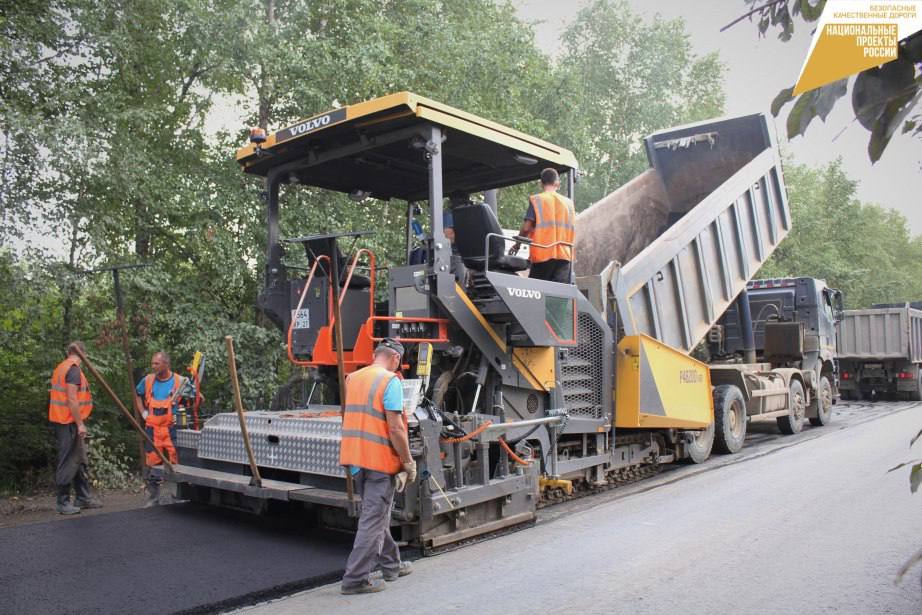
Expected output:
(64, 506)
(153, 494)
(368, 587)
(88, 503)
(392, 575)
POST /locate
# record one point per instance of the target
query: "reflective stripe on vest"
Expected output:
(58, 409)
(366, 439)
(554, 219)
(163, 406)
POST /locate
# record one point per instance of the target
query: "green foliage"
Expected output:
(110, 467)
(619, 79)
(915, 480)
(25, 328)
(864, 250)
(105, 156)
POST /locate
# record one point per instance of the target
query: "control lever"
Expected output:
(481, 378)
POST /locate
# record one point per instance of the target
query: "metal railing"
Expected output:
(518, 239)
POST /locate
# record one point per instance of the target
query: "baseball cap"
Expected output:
(391, 344)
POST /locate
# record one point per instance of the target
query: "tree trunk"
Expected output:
(69, 290)
(142, 235)
(265, 84)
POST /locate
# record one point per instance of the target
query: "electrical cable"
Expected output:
(528, 433)
(512, 454)
(468, 436)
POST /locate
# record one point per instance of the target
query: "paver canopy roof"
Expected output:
(369, 146)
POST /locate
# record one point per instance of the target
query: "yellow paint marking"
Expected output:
(483, 321)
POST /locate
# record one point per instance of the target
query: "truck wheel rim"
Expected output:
(799, 406)
(736, 421)
(827, 399)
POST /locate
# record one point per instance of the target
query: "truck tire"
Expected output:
(729, 419)
(699, 447)
(794, 421)
(821, 405)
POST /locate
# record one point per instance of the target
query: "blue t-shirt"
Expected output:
(530, 212)
(393, 401)
(161, 389)
(393, 396)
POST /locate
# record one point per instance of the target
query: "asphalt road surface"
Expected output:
(807, 524)
(170, 559)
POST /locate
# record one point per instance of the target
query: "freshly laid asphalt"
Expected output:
(187, 558)
(170, 559)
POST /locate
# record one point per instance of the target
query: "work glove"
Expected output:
(410, 469)
(400, 482)
(144, 414)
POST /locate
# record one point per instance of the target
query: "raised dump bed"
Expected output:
(691, 231)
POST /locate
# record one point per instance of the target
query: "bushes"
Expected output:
(110, 466)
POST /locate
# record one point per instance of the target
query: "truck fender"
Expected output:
(791, 373)
(829, 370)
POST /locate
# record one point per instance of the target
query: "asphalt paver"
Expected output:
(182, 558)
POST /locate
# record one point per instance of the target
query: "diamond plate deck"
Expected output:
(187, 438)
(302, 441)
(282, 440)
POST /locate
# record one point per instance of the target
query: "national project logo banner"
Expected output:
(855, 35)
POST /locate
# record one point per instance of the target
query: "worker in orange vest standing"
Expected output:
(69, 406)
(375, 447)
(156, 399)
(549, 222)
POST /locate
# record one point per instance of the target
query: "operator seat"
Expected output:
(472, 223)
(358, 280)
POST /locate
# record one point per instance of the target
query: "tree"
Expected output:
(619, 79)
(105, 152)
(865, 250)
(885, 99)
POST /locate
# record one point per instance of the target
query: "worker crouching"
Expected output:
(157, 397)
(376, 450)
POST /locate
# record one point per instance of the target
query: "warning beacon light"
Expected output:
(257, 135)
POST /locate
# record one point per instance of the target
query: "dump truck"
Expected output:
(880, 350)
(519, 392)
(692, 230)
(792, 330)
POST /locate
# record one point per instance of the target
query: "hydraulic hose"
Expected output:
(467, 437)
(512, 454)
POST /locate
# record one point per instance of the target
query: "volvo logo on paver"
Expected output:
(308, 126)
(524, 293)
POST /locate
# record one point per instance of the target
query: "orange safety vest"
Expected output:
(159, 421)
(554, 219)
(366, 442)
(58, 410)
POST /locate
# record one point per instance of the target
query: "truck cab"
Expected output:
(797, 302)
(780, 334)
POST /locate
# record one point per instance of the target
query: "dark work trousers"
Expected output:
(552, 270)
(71, 469)
(373, 542)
